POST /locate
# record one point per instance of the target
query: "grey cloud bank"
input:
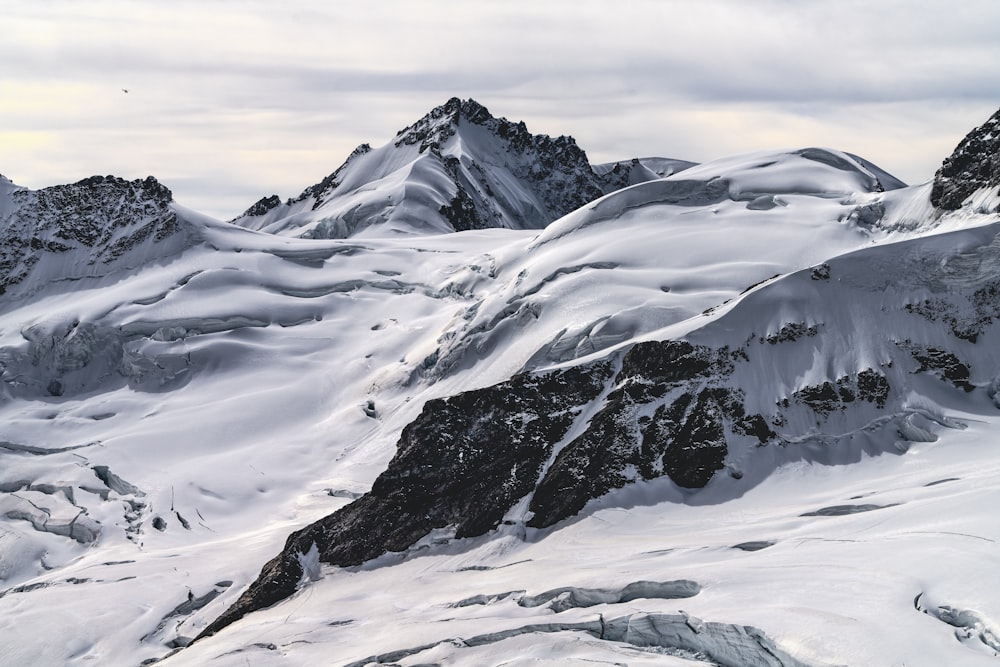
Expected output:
(231, 101)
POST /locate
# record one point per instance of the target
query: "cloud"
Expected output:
(231, 98)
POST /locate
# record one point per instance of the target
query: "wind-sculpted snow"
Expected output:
(681, 635)
(757, 182)
(570, 597)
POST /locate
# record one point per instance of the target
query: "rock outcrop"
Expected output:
(973, 166)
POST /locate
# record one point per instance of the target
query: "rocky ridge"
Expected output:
(973, 166)
(83, 229)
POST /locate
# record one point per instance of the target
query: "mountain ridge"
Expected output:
(96, 222)
(472, 170)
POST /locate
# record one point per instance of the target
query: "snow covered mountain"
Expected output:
(743, 414)
(86, 229)
(455, 169)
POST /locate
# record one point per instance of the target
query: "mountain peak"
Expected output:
(467, 169)
(440, 123)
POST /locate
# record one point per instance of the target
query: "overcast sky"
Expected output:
(231, 100)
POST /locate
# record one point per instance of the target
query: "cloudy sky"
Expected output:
(231, 100)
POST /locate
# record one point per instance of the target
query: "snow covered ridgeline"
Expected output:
(823, 365)
(457, 168)
(85, 229)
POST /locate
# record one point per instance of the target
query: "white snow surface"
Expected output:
(238, 389)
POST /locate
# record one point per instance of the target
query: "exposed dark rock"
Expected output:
(617, 175)
(821, 272)
(469, 458)
(462, 463)
(322, 190)
(822, 398)
(967, 315)
(558, 171)
(760, 282)
(965, 323)
(754, 425)
(873, 387)
(791, 332)
(868, 385)
(464, 212)
(944, 363)
(685, 439)
(667, 410)
(975, 164)
(262, 206)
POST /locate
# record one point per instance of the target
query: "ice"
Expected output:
(226, 389)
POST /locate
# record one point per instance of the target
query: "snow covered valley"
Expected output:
(740, 414)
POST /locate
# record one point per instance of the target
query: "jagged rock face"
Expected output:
(558, 169)
(672, 411)
(462, 463)
(684, 439)
(262, 206)
(91, 223)
(974, 165)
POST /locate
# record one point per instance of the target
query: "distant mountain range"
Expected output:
(472, 400)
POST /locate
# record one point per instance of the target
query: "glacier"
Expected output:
(740, 412)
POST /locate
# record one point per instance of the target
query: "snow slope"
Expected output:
(168, 421)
